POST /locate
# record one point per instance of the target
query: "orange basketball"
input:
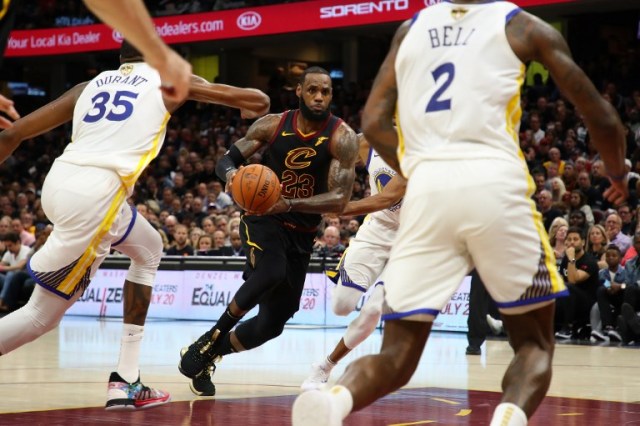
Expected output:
(255, 188)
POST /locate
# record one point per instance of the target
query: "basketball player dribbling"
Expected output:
(119, 124)
(313, 153)
(362, 264)
(453, 75)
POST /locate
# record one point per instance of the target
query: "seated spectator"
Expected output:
(577, 219)
(610, 294)
(557, 236)
(580, 272)
(627, 217)
(220, 199)
(219, 239)
(329, 246)
(545, 206)
(26, 237)
(208, 225)
(613, 226)
(205, 246)
(597, 242)
(194, 236)
(13, 260)
(578, 201)
(557, 190)
(236, 248)
(181, 246)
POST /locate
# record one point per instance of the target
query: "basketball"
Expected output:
(255, 188)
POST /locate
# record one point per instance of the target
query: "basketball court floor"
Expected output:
(61, 380)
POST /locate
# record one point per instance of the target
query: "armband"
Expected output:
(229, 161)
(618, 178)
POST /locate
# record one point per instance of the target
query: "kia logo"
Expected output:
(117, 37)
(249, 21)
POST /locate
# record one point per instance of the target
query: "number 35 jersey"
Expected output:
(458, 85)
(119, 122)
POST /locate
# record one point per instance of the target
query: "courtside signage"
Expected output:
(226, 24)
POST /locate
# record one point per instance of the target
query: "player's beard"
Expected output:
(312, 115)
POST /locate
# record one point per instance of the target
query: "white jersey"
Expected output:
(379, 176)
(119, 122)
(458, 85)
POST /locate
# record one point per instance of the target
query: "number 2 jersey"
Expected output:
(119, 122)
(458, 85)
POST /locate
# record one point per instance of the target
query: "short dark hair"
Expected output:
(313, 70)
(11, 236)
(578, 213)
(615, 248)
(576, 230)
(128, 51)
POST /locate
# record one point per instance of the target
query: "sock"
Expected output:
(327, 365)
(508, 414)
(128, 365)
(343, 400)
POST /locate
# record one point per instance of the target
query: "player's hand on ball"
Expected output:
(281, 206)
(230, 176)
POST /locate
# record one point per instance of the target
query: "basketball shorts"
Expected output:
(460, 214)
(365, 259)
(87, 206)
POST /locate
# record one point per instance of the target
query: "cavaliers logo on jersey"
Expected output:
(298, 158)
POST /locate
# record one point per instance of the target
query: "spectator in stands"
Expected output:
(205, 246)
(194, 236)
(181, 246)
(545, 206)
(13, 260)
(578, 201)
(594, 197)
(610, 294)
(580, 272)
(557, 235)
(555, 158)
(557, 190)
(330, 245)
(632, 269)
(235, 249)
(597, 243)
(218, 197)
(577, 219)
(219, 239)
(26, 238)
(613, 226)
(628, 220)
(170, 223)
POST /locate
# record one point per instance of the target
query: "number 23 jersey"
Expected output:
(119, 122)
(458, 85)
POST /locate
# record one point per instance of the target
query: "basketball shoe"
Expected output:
(317, 379)
(202, 385)
(122, 395)
(195, 359)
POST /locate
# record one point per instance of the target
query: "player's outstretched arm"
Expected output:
(6, 106)
(252, 103)
(390, 195)
(342, 173)
(132, 19)
(533, 39)
(40, 121)
(377, 118)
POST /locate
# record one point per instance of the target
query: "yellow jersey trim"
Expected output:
(130, 180)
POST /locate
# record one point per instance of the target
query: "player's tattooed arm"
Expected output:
(377, 119)
(533, 39)
(344, 147)
(259, 134)
(40, 121)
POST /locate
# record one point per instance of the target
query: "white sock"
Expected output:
(508, 414)
(128, 365)
(343, 400)
(327, 365)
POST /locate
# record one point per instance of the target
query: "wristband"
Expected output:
(617, 178)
